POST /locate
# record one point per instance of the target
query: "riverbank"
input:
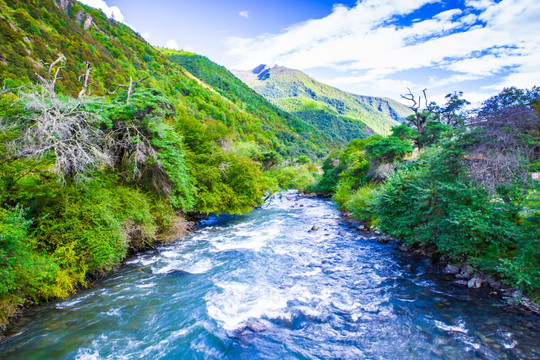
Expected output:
(458, 274)
(180, 229)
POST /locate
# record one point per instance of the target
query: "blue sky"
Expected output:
(368, 47)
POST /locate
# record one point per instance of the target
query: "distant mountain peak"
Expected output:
(259, 69)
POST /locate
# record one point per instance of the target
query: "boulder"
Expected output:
(451, 269)
(361, 227)
(314, 228)
(409, 268)
(460, 283)
(383, 240)
(494, 283)
(517, 294)
(377, 232)
(258, 326)
(475, 282)
(420, 252)
(463, 276)
(404, 248)
(467, 271)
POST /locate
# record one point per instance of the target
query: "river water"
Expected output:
(263, 286)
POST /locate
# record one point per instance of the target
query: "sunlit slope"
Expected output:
(346, 115)
(33, 34)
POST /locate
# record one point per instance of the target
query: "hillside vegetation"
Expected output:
(343, 115)
(107, 144)
(460, 186)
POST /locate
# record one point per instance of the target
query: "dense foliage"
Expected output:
(468, 192)
(310, 142)
(88, 176)
(342, 115)
(33, 34)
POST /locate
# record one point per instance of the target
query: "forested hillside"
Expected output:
(36, 33)
(107, 144)
(342, 115)
(458, 188)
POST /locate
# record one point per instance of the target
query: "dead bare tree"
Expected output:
(84, 78)
(62, 128)
(131, 87)
(50, 82)
(420, 116)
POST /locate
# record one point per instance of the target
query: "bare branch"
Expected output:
(410, 97)
(425, 98)
(50, 83)
(85, 82)
(60, 127)
(61, 58)
(131, 87)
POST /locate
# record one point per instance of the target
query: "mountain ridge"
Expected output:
(321, 104)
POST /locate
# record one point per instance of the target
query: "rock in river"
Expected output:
(460, 283)
(451, 269)
(475, 282)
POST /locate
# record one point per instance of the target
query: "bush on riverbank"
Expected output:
(468, 193)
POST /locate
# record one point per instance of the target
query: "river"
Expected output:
(263, 286)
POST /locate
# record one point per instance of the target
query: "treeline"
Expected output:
(461, 183)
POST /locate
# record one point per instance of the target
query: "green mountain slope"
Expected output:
(34, 33)
(232, 88)
(343, 115)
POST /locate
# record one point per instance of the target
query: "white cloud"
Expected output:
(172, 44)
(364, 39)
(244, 14)
(449, 14)
(110, 11)
(146, 36)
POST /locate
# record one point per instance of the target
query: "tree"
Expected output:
(64, 128)
(420, 116)
(404, 132)
(505, 139)
(453, 113)
(388, 149)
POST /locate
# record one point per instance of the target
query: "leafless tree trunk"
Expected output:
(84, 76)
(131, 87)
(420, 116)
(50, 82)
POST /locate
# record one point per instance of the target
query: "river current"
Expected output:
(264, 286)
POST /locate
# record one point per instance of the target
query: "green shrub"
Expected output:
(300, 177)
(389, 149)
(423, 204)
(343, 192)
(24, 272)
(360, 204)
